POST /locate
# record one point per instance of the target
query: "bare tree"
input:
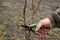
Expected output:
(27, 35)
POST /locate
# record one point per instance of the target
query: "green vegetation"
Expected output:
(1, 38)
(5, 4)
(2, 27)
(15, 38)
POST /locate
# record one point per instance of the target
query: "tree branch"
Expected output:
(34, 11)
(24, 12)
(37, 7)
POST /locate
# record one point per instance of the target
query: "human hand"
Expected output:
(46, 22)
(43, 31)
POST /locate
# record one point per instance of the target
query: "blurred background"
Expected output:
(11, 17)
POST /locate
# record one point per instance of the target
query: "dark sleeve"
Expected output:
(50, 16)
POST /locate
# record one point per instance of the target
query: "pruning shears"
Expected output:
(35, 32)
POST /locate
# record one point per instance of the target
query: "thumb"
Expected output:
(38, 27)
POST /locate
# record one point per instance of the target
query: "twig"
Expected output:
(34, 11)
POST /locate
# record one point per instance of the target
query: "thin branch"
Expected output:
(34, 11)
(37, 7)
(24, 12)
(33, 7)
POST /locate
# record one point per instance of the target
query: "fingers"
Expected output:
(39, 26)
(44, 31)
(39, 36)
(36, 35)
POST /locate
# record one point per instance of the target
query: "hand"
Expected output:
(46, 22)
(43, 31)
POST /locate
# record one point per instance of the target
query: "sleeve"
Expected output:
(50, 16)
